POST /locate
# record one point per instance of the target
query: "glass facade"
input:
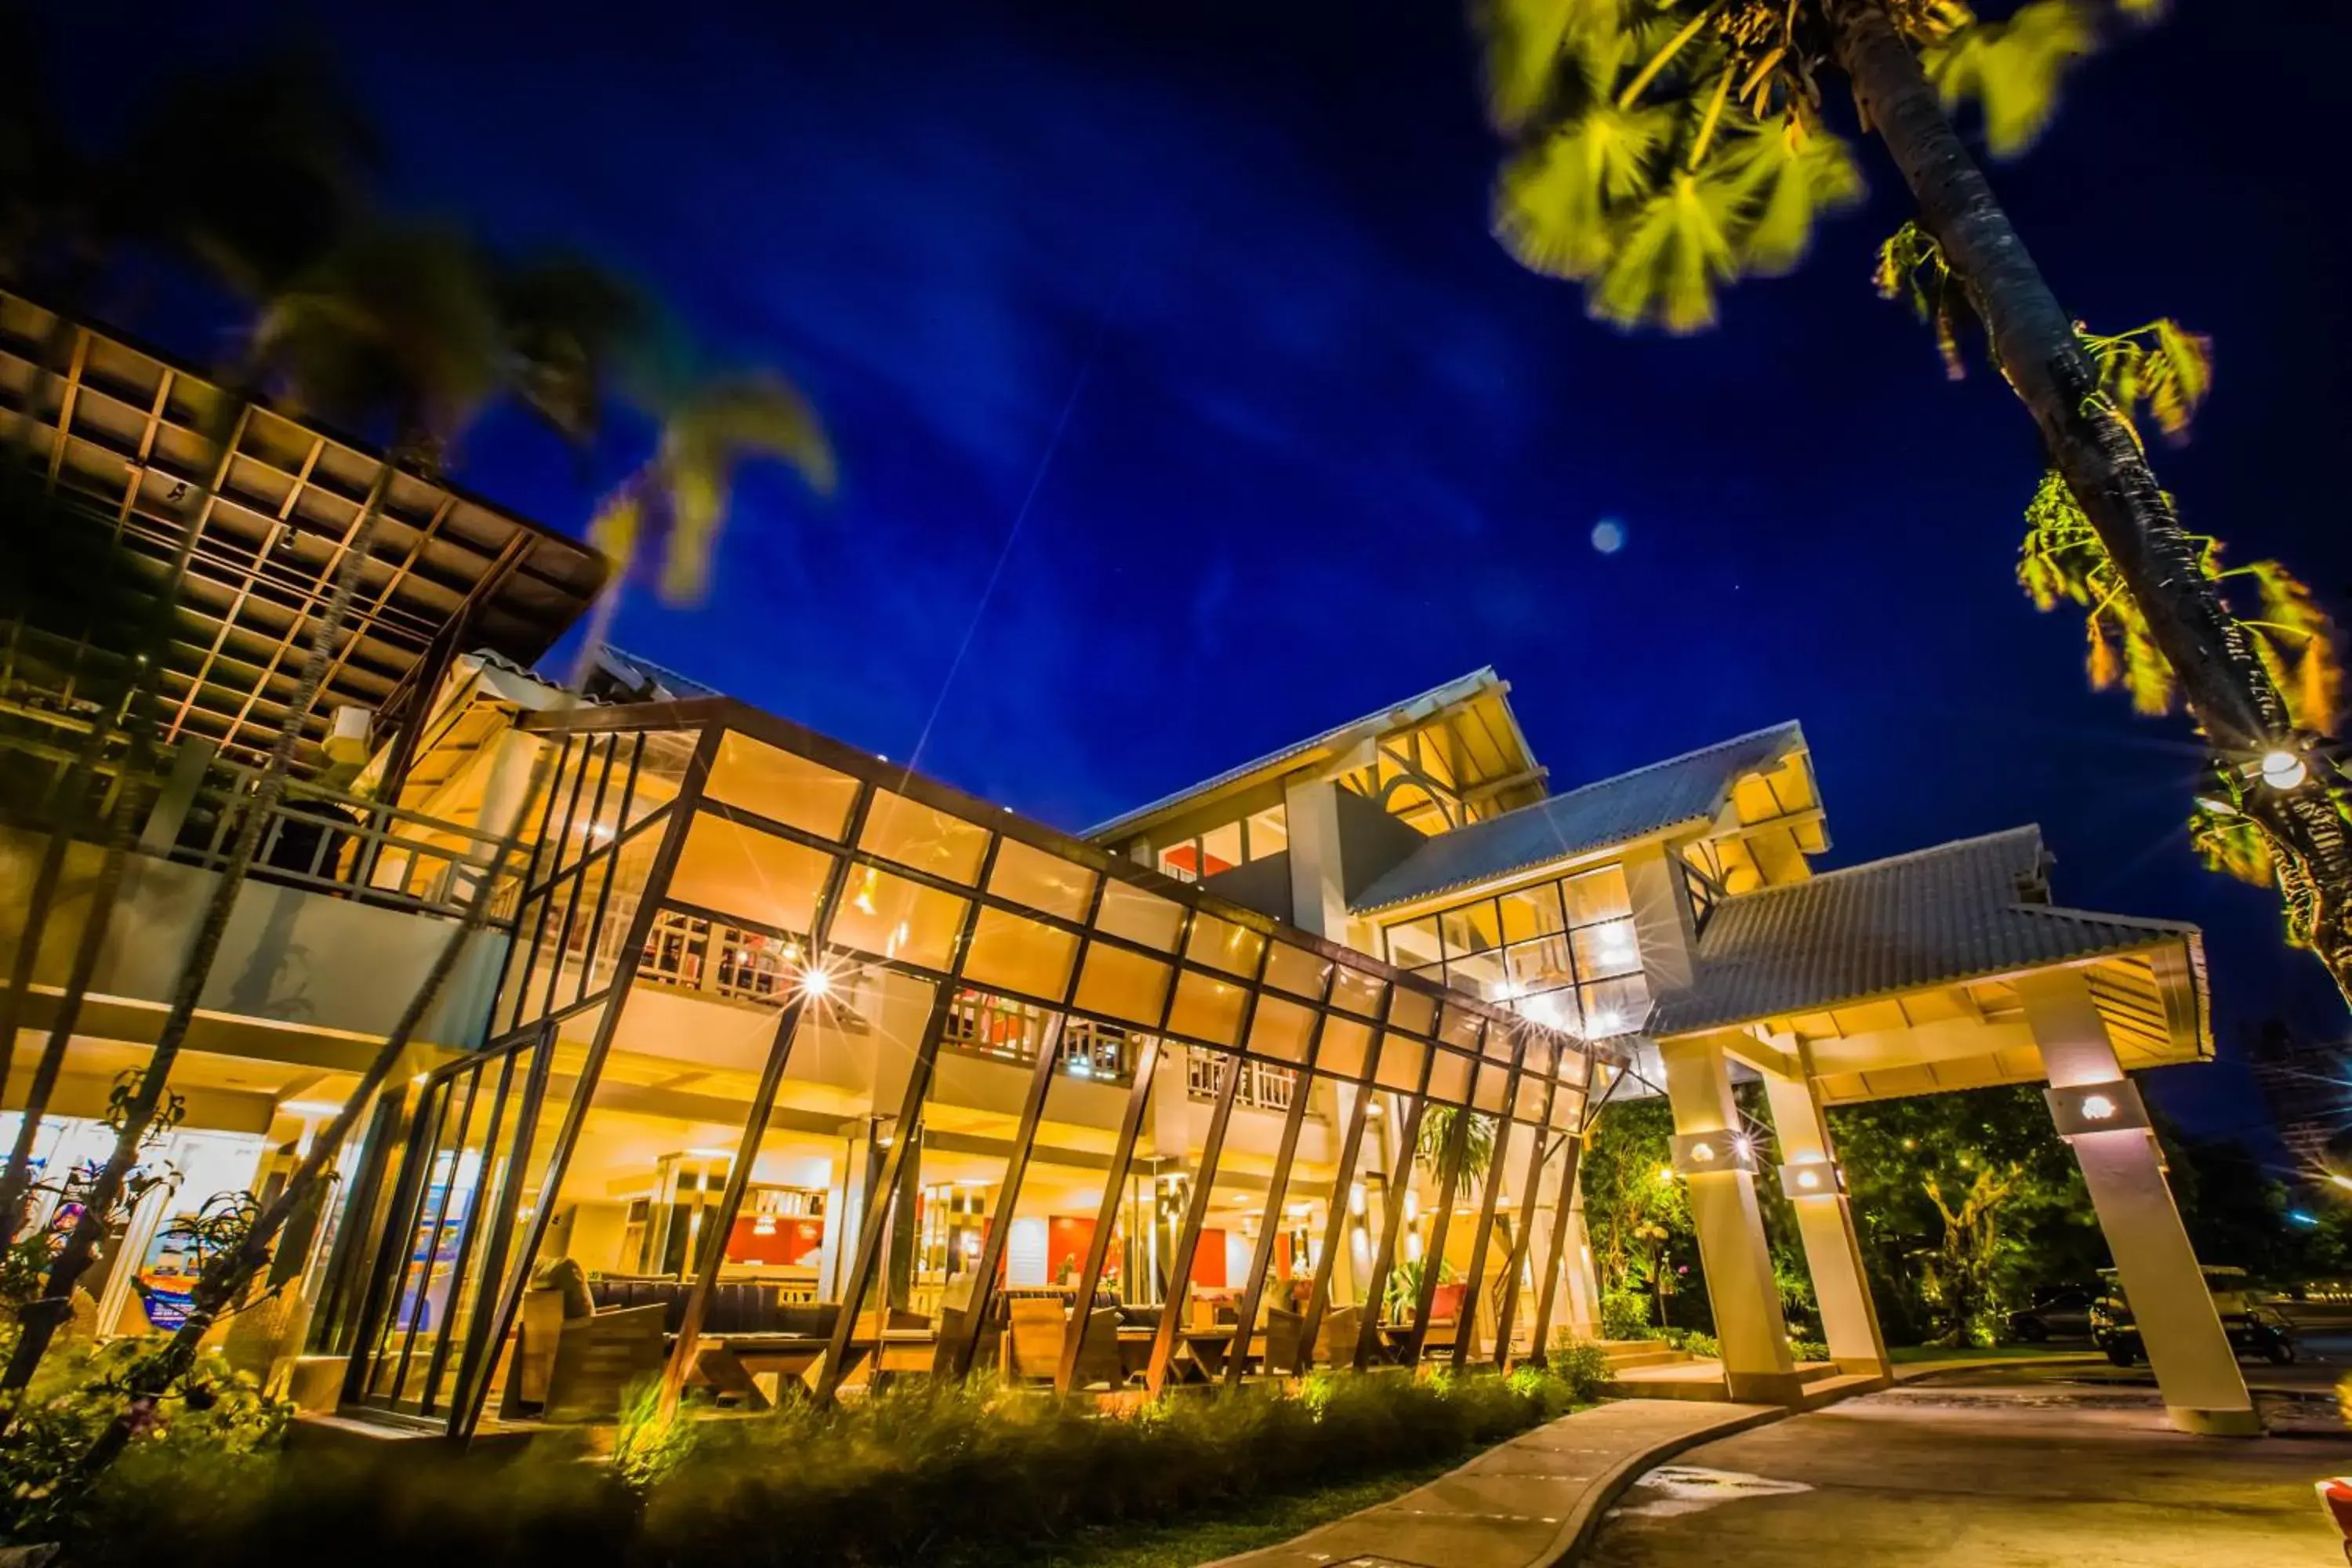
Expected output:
(1562, 952)
(804, 1069)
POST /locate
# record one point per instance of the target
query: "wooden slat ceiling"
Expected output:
(267, 547)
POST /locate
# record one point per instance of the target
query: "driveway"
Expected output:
(1988, 1469)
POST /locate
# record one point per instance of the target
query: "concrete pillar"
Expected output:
(1825, 1224)
(1583, 1312)
(1661, 918)
(2195, 1368)
(1739, 1284)
(1318, 900)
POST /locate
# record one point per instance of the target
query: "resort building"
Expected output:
(776, 1067)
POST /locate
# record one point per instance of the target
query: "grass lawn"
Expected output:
(1905, 1355)
(1262, 1522)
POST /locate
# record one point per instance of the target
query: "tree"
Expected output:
(1637, 1214)
(410, 330)
(1662, 149)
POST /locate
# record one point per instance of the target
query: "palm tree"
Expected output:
(672, 507)
(1662, 149)
(244, 176)
(400, 329)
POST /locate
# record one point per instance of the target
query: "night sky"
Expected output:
(1185, 407)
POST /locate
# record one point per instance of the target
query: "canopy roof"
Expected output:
(446, 568)
(1696, 787)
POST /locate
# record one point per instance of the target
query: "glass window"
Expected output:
(1461, 1026)
(661, 771)
(1017, 954)
(1410, 1009)
(1206, 1008)
(1616, 1007)
(1532, 912)
(739, 871)
(1564, 1110)
(1026, 875)
(1399, 1064)
(1532, 1090)
(1220, 848)
(1493, 1079)
(1449, 1078)
(1597, 896)
(1123, 984)
(1296, 970)
(1413, 943)
(1347, 1046)
(898, 919)
(1269, 833)
(1279, 1029)
(1471, 928)
(1358, 992)
(1221, 944)
(914, 835)
(1553, 1009)
(1607, 949)
(1145, 918)
(1541, 964)
(1182, 860)
(781, 785)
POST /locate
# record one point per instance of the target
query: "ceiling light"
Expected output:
(2284, 770)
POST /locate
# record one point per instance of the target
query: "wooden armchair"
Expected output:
(1033, 1343)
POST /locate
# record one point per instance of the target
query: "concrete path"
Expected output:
(1997, 1468)
(1526, 1504)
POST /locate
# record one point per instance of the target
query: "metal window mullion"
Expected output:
(1130, 1126)
(1449, 1182)
(1507, 1309)
(1278, 1183)
(527, 944)
(1367, 1331)
(1237, 1067)
(605, 893)
(1343, 1182)
(580, 883)
(881, 1205)
(494, 1256)
(400, 1231)
(432, 1235)
(344, 1258)
(468, 1233)
(1484, 1237)
(1571, 1158)
(600, 1046)
(1042, 1073)
(755, 1128)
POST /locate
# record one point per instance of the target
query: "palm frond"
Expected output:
(1526, 43)
(2010, 68)
(707, 440)
(1554, 204)
(1674, 254)
(1790, 178)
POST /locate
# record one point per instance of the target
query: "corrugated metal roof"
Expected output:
(1692, 788)
(1481, 679)
(1957, 912)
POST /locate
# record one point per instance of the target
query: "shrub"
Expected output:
(1581, 1364)
(1626, 1315)
(1810, 1350)
(911, 1475)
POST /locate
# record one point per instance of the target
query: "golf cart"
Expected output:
(2256, 1331)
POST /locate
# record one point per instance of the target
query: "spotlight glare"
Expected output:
(2284, 770)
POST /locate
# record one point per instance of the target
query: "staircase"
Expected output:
(1649, 1368)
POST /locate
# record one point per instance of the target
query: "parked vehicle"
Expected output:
(2055, 1313)
(2256, 1331)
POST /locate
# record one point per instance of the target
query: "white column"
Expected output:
(1319, 900)
(1740, 1284)
(2195, 1368)
(1825, 1224)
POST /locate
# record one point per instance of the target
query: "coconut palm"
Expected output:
(243, 177)
(1661, 150)
(673, 506)
(399, 328)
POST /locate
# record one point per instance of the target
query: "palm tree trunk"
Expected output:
(91, 942)
(42, 1317)
(2034, 342)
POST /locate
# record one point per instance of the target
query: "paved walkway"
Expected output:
(1522, 1505)
(1989, 1468)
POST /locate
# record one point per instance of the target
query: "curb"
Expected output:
(1916, 1371)
(1577, 1531)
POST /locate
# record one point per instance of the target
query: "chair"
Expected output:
(1033, 1344)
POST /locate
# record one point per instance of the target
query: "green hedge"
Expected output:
(912, 1476)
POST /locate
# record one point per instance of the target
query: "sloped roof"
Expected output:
(1692, 788)
(1338, 737)
(1958, 911)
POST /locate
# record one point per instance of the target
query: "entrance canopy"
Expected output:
(1900, 976)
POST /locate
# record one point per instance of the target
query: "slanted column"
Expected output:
(1583, 1282)
(1740, 1284)
(1825, 1223)
(2195, 1369)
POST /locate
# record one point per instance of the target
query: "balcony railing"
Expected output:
(319, 839)
(1263, 1085)
(986, 1026)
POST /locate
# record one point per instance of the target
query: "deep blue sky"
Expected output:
(1214, 279)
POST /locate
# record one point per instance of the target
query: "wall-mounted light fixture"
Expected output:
(1698, 1153)
(2111, 1107)
(1813, 1179)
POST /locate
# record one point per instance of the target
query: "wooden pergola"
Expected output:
(124, 429)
